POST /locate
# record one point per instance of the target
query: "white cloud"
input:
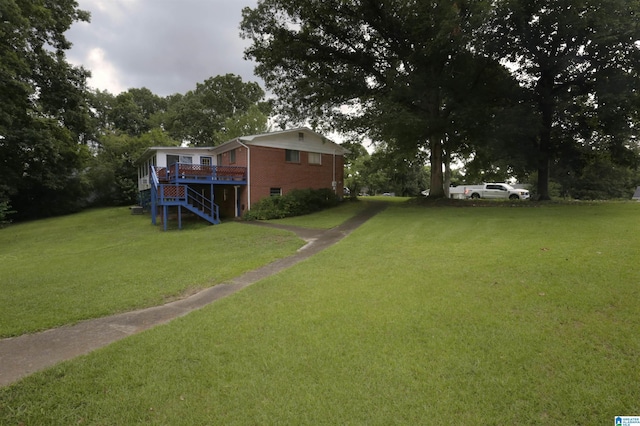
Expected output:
(117, 10)
(167, 46)
(104, 75)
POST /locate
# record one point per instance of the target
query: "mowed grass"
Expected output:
(59, 271)
(500, 315)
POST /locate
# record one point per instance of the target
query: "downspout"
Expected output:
(334, 184)
(248, 174)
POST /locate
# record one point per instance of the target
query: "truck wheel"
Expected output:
(514, 197)
(475, 196)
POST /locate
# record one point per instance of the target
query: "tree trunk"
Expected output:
(437, 179)
(447, 172)
(543, 169)
(546, 105)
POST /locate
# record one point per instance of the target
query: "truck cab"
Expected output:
(499, 190)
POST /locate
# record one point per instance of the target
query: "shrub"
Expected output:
(295, 203)
(5, 210)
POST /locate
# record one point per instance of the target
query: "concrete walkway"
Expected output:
(24, 355)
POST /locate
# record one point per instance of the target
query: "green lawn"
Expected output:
(488, 315)
(96, 263)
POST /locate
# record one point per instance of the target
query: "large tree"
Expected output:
(197, 116)
(133, 112)
(393, 69)
(113, 169)
(125, 125)
(252, 122)
(44, 117)
(580, 60)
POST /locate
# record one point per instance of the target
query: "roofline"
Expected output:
(296, 129)
(147, 152)
(238, 140)
(250, 138)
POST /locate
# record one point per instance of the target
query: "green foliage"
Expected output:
(134, 120)
(579, 61)
(295, 203)
(113, 172)
(50, 162)
(252, 122)
(390, 169)
(5, 212)
(431, 75)
(198, 115)
(133, 111)
(404, 67)
(354, 165)
(44, 116)
(599, 178)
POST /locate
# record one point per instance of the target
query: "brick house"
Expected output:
(225, 180)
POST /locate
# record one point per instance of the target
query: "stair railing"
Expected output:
(204, 204)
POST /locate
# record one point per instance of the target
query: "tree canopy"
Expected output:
(200, 114)
(444, 75)
(398, 70)
(63, 146)
(44, 117)
(580, 60)
(544, 89)
(126, 124)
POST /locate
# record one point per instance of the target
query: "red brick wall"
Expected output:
(270, 170)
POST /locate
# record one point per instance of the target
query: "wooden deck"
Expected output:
(198, 173)
(180, 185)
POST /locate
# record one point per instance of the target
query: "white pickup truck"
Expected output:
(497, 190)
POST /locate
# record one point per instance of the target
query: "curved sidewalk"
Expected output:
(24, 355)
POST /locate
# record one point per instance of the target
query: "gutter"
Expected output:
(333, 182)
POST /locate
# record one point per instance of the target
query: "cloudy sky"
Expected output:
(165, 45)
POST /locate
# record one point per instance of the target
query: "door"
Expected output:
(496, 191)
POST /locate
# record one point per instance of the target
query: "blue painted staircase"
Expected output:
(165, 195)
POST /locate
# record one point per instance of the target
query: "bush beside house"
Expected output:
(295, 203)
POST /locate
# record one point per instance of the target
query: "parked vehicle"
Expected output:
(498, 190)
(462, 191)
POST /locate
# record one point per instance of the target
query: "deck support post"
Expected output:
(165, 214)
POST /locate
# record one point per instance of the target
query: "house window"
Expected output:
(232, 156)
(274, 192)
(172, 159)
(300, 137)
(292, 156)
(205, 161)
(315, 158)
